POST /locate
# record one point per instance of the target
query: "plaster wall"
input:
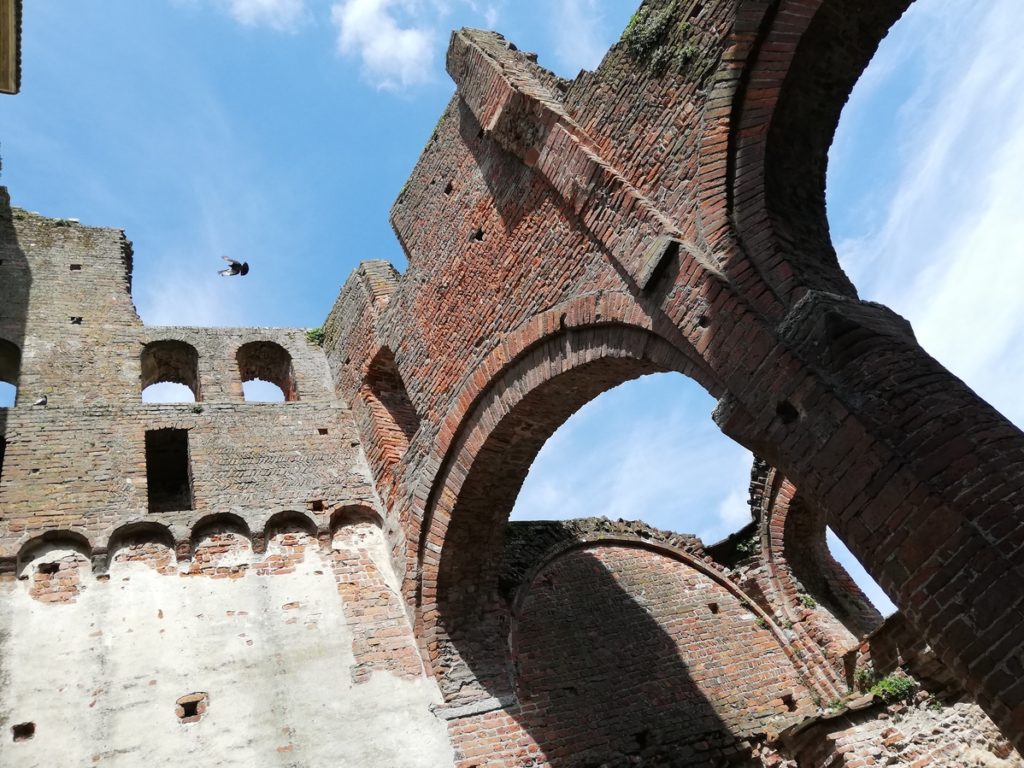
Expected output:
(99, 669)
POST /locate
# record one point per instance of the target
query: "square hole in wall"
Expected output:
(23, 731)
(168, 470)
(192, 707)
(76, 267)
(789, 701)
(322, 431)
(76, 320)
(317, 506)
(713, 607)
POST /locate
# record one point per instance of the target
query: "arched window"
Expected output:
(170, 372)
(264, 368)
(10, 365)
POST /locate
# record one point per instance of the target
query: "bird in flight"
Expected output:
(234, 268)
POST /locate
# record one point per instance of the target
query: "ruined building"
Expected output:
(332, 581)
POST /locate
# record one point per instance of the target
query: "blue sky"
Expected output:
(280, 132)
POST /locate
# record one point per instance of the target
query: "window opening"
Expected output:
(168, 473)
(23, 731)
(263, 366)
(260, 391)
(170, 372)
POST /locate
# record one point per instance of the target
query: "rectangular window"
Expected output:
(168, 473)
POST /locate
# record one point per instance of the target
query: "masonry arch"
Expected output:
(779, 132)
(169, 361)
(38, 548)
(460, 617)
(696, 643)
(143, 542)
(268, 361)
(10, 367)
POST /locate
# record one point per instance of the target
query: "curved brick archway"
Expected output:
(462, 624)
(691, 197)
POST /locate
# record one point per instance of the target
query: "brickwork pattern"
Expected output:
(677, 193)
(626, 656)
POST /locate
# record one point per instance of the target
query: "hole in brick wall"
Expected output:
(317, 506)
(790, 703)
(169, 372)
(191, 708)
(448, 188)
(3, 451)
(260, 391)
(703, 321)
(49, 568)
(786, 412)
(697, 8)
(478, 235)
(322, 431)
(76, 320)
(271, 364)
(713, 607)
(76, 267)
(23, 731)
(168, 471)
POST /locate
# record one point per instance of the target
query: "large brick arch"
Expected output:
(779, 112)
(460, 622)
(691, 199)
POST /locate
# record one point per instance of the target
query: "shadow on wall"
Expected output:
(15, 281)
(626, 656)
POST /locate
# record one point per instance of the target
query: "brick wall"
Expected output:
(674, 198)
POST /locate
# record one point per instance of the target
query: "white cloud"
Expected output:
(949, 252)
(278, 14)
(282, 15)
(393, 56)
(649, 451)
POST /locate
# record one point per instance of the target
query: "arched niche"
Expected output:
(392, 419)
(169, 361)
(60, 543)
(270, 362)
(148, 543)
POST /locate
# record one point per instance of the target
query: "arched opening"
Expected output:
(10, 366)
(170, 372)
(644, 450)
(390, 420)
(464, 616)
(924, 183)
(263, 363)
